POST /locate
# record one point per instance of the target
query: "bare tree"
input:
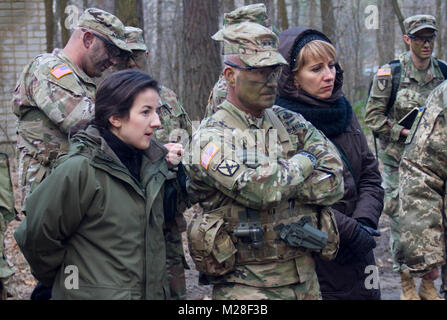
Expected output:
(385, 36)
(282, 15)
(128, 12)
(65, 33)
(400, 17)
(201, 58)
(295, 12)
(439, 21)
(328, 19)
(49, 24)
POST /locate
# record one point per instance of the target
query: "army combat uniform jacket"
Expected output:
(413, 90)
(93, 214)
(246, 164)
(52, 95)
(422, 192)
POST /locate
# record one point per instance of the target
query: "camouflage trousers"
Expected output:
(30, 174)
(309, 290)
(175, 259)
(390, 178)
(5, 270)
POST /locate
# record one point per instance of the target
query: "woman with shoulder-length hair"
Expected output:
(94, 227)
(312, 86)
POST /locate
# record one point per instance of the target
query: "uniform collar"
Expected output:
(251, 121)
(410, 72)
(79, 72)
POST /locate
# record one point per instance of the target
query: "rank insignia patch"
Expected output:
(228, 167)
(382, 84)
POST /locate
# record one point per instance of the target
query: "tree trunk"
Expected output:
(439, 51)
(296, 13)
(228, 6)
(201, 56)
(312, 14)
(127, 12)
(282, 15)
(328, 19)
(400, 17)
(65, 33)
(49, 24)
(385, 36)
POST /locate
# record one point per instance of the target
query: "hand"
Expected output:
(361, 243)
(404, 132)
(175, 152)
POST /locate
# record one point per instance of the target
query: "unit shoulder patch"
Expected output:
(228, 167)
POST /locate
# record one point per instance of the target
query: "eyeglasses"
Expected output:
(264, 73)
(112, 49)
(421, 40)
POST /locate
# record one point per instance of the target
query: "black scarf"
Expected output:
(131, 157)
(332, 120)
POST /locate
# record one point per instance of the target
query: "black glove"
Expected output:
(361, 243)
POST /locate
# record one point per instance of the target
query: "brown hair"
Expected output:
(314, 50)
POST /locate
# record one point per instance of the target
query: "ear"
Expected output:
(115, 121)
(230, 76)
(88, 39)
(407, 39)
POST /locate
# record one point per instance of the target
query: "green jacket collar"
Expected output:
(409, 70)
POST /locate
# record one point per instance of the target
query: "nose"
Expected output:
(329, 74)
(155, 123)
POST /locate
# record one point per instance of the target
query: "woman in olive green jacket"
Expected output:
(94, 227)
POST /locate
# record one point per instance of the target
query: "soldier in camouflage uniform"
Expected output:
(175, 128)
(56, 91)
(254, 13)
(256, 171)
(420, 74)
(7, 213)
(422, 194)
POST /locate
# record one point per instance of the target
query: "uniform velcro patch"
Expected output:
(228, 167)
(384, 72)
(208, 153)
(61, 71)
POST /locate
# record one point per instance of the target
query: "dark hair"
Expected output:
(116, 94)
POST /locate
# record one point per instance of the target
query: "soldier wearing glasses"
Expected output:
(56, 91)
(261, 170)
(398, 88)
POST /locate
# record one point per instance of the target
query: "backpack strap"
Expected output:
(283, 135)
(443, 67)
(396, 70)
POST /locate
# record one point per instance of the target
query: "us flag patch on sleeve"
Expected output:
(384, 72)
(208, 153)
(61, 71)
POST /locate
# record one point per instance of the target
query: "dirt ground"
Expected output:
(21, 284)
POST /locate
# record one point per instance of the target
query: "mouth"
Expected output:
(327, 88)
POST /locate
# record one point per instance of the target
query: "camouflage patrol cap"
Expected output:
(422, 21)
(106, 24)
(252, 13)
(134, 38)
(256, 45)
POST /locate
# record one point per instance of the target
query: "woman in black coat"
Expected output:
(312, 86)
